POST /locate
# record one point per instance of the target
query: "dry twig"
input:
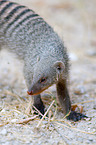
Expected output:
(45, 113)
(27, 120)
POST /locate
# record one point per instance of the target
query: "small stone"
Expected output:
(51, 128)
(79, 90)
(73, 57)
(43, 126)
(45, 122)
(3, 132)
(91, 52)
(94, 130)
(14, 120)
(88, 128)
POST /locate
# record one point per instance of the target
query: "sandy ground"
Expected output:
(75, 22)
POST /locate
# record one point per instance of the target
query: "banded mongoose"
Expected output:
(45, 58)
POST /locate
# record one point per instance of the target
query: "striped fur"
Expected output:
(28, 36)
(17, 23)
(20, 27)
(13, 15)
(24, 31)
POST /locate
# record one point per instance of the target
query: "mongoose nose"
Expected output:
(30, 92)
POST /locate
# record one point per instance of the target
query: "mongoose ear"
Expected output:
(59, 66)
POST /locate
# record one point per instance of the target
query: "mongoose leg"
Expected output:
(38, 103)
(63, 96)
(65, 103)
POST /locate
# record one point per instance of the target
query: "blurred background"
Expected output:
(75, 22)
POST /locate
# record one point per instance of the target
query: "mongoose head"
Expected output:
(46, 73)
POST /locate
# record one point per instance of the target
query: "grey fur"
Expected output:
(41, 49)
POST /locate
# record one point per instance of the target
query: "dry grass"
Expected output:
(12, 113)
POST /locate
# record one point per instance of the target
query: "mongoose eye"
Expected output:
(42, 80)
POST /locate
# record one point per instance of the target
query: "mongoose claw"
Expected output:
(76, 116)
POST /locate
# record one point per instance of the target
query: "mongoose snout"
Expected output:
(30, 92)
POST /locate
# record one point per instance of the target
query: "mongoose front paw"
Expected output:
(76, 116)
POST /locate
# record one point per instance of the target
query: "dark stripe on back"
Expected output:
(6, 7)
(35, 30)
(1, 2)
(32, 30)
(22, 21)
(12, 12)
(20, 15)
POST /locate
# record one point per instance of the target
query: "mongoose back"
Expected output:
(45, 58)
